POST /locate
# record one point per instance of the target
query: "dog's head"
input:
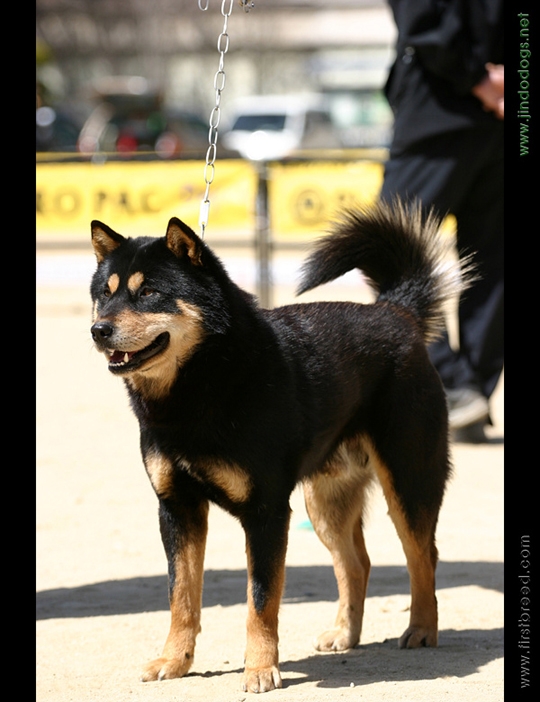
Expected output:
(154, 301)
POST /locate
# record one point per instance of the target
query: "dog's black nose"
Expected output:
(101, 331)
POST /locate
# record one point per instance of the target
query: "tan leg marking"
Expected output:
(421, 554)
(261, 672)
(234, 482)
(335, 503)
(185, 600)
(160, 472)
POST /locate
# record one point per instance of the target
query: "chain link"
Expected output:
(246, 4)
(215, 115)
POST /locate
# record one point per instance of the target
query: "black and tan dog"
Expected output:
(238, 404)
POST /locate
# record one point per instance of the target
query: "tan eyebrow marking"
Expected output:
(113, 282)
(135, 281)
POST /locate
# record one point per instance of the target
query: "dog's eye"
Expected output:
(146, 292)
(107, 292)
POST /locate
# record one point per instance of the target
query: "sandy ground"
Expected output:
(101, 585)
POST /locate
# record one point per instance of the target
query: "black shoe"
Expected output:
(471, 434)
(466, 407)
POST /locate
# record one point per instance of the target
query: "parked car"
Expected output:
(363, 117)
(129, 118)
(56, 129)
(274, 126)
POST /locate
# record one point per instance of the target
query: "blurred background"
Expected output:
(124, 93)
(161, 56)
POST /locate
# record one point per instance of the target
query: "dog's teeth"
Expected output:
(126, 357)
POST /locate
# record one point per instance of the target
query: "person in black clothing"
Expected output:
(446, 90)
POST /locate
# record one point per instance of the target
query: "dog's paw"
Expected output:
(336, 640)
(165, 669)
(261, 679)
(417, 637)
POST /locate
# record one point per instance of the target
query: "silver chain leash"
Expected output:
(215, 115)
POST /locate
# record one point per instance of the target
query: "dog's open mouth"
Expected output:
(125, 361)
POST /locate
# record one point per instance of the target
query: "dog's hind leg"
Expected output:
(335, 504)
(413, 469)
(418, 541)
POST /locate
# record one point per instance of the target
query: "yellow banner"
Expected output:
(139, 197)
(305, 197)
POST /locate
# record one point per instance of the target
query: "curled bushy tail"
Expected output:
(402, 254)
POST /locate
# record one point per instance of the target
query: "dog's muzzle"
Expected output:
(101, 332)
(123, 360)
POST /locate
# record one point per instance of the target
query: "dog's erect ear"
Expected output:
(104, 240)
(183, 241)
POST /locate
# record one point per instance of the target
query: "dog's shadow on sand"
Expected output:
(228, 587)
(460, 653)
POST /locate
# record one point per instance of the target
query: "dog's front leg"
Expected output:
(266, 540)
(183, 531)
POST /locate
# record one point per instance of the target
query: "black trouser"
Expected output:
(462, 173)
